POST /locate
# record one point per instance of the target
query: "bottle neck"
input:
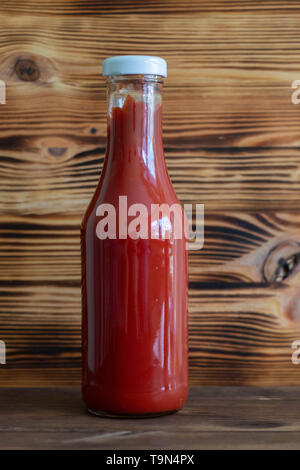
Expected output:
(135, 123)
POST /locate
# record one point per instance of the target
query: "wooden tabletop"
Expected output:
(213, 418)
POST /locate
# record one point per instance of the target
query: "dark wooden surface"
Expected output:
(213, 418)
(231, 137)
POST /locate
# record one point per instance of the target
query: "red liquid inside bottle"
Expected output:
(134, 289)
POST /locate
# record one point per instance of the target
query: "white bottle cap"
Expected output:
(134, 65)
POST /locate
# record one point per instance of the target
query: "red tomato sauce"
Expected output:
(134, 292)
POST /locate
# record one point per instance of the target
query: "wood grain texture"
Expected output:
(232, 142)
(243, 320)
(213, 418)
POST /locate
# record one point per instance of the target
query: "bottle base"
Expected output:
(108, 414)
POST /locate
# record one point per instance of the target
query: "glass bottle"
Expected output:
(134, 267)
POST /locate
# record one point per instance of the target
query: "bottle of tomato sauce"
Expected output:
(134, 258)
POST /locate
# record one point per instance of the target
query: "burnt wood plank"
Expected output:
(231, 135)
(243, 300)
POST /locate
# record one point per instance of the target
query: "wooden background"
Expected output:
(232, 141)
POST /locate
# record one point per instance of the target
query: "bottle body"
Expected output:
(134, 289)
